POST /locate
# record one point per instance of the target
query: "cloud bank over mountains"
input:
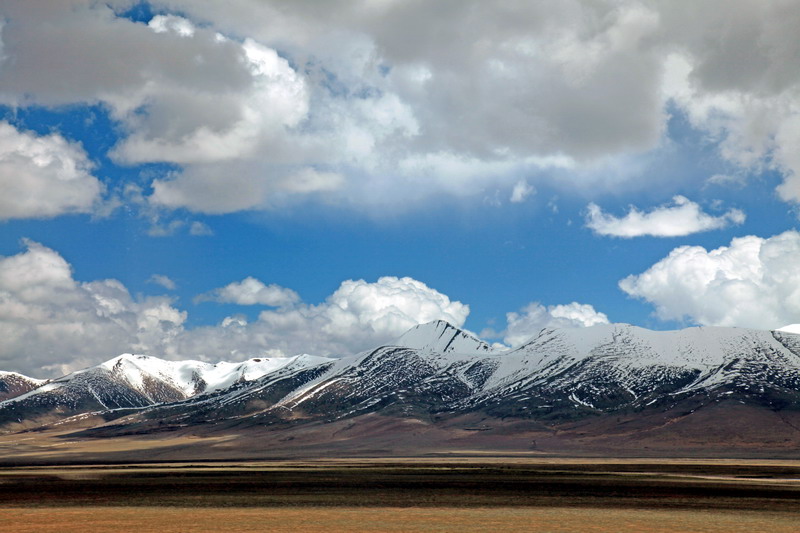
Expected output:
(53, 324)
(364, 104)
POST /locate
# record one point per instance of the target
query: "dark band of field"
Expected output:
(702, 496)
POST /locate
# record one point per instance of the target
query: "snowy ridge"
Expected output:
(137, 381)
(604, 367)
(440, 336)
(436, 369)
(197, 377)
(619, 364)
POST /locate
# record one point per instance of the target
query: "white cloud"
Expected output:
(726, 180)
(754, 283)
(787, 140)
(535, 316)
(166, 23)
(51, 323)
(347, 96)
(684, 217)
(187, 96)
(522, 190)
(733, 81)
(251, 291)
(524, 80)
(44, 176)
(164, 281)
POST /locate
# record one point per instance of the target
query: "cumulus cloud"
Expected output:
(263, 102)
(251, 291)
(684, 217)
(357, 316)
(44, 176)
(534, 317)
(356, 98)
(52, 324)
(753, 282)
(188, 96)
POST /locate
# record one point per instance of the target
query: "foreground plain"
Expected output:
(458, 494)
(375, 519)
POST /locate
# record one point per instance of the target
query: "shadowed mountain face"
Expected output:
(608, 379)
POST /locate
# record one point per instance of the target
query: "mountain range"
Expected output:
(603, 389)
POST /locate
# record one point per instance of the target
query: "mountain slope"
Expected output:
(136, 381)
(568, 372)
(618, 379)
(613, 367)
(560, 375)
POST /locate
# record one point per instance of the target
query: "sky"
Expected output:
(253, 178)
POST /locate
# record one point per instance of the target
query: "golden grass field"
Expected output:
(461, 494)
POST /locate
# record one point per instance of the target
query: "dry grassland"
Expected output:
(434, 494)
(349, 519)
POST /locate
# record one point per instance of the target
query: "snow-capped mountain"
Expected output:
(562, 372)
(435, 372)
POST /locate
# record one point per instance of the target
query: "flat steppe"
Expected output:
(406, 494)
(381, 474)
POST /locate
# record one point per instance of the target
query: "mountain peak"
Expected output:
(441, 336)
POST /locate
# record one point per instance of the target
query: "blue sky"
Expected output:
(268, 179)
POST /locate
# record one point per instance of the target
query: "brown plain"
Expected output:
(462, 494)
(373, 473)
